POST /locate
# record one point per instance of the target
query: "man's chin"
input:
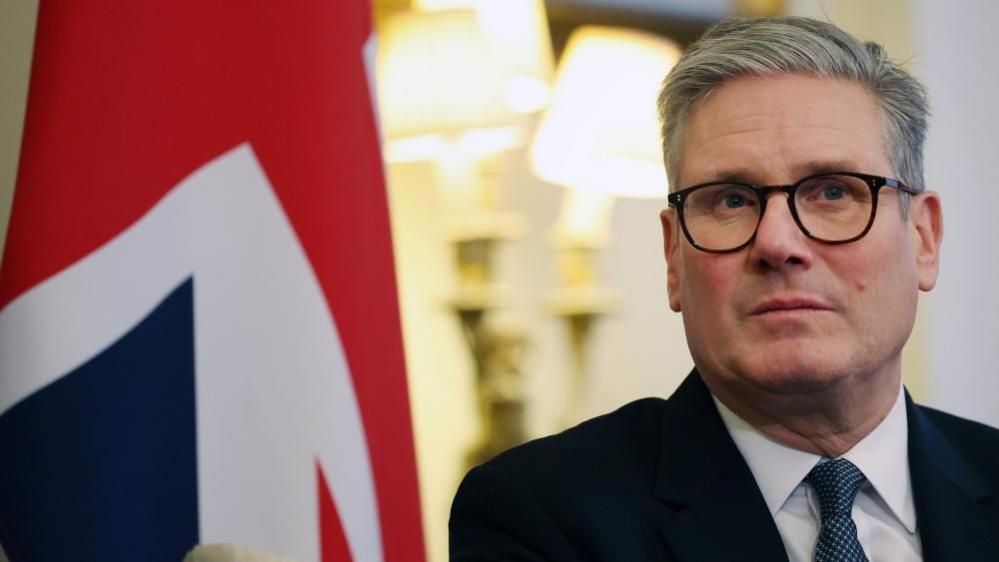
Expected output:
(793, 376)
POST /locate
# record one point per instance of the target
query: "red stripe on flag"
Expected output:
(127, 98)
(333, 542)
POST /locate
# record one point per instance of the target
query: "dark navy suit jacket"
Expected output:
(663, 480)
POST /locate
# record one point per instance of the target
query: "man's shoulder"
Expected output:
(586, 490)
(976, 442)
(960, 425)
(622, 451)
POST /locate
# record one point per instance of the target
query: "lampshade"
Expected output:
(437, 73)
(601, 131)
(518, 32)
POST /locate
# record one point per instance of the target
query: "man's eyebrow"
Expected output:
(740, 175)
(748, 175)
(824, 166)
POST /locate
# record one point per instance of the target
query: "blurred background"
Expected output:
(525, 181)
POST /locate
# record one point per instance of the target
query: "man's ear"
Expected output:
(927, 234)
(671, 242)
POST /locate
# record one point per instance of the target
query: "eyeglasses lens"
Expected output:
(834, 208)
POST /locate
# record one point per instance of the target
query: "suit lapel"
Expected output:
(953, 520)
(713, 509)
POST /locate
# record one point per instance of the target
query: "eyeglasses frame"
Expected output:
(874, 183)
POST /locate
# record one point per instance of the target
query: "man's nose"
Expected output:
(779, 242)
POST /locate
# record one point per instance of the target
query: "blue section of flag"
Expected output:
(101, 464)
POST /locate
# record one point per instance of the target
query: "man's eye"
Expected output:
(734, 201)
(833, 192)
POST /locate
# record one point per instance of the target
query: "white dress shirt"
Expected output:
(883, 510)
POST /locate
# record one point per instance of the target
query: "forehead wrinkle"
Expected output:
(720, 128)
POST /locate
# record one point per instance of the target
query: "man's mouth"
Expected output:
(793, 304)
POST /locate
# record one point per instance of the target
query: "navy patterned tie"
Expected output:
(836, 483)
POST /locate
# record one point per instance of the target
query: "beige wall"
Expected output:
(956, 45)
(17, 33)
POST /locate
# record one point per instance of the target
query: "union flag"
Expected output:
(199, 330)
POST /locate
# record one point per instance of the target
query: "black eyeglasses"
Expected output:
(834, 208)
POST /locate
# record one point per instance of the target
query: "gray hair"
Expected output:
(752, 47)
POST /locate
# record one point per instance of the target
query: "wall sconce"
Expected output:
(449, 95)
(599, 138)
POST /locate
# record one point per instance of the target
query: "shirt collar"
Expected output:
(882, 456)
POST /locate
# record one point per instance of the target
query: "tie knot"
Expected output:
(836, 482)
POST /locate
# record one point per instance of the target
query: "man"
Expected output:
(797, 242)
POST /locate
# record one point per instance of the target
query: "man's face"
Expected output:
(788, 314)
